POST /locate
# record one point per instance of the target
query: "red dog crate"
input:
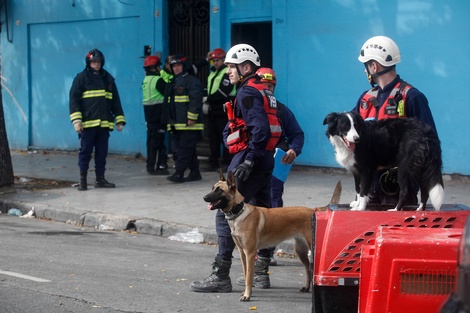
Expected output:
(408, 269)
(339, 236)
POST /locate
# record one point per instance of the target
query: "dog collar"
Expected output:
(235, 212)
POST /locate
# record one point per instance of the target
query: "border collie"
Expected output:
(363, 147)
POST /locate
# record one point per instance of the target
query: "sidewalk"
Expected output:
(153, 205)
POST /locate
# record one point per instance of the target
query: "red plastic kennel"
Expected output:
(339, 236)
(408, 269)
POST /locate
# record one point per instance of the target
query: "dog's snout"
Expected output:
(356, 139)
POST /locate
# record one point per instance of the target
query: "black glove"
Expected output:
(243, 170)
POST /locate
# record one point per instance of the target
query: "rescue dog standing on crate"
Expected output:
(364, 147)
(255, 228)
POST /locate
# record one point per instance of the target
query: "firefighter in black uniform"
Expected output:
(95, 107)
(183, 115)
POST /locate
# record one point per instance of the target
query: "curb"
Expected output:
(113, 222)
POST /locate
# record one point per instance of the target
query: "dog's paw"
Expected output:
(358, 209)
(244, 298)
(354, 204)
(392, 210)
(305, 289)
(421, 207)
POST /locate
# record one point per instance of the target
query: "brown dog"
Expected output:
(255, 228)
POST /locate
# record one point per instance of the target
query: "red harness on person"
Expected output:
(238, 137)
(394, 106)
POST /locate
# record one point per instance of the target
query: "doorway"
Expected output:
(258, 35)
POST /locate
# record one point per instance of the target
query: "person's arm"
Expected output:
(161, 86)
(417, 106)
(257, 123)
(196, 92)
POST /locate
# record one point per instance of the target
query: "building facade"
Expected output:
(312, 46)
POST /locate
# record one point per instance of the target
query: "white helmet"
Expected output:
(241, 53)
(381, 49)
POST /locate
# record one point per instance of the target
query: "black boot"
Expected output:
(261, 275)
(83, 184)
(101, 182)
(218, 280)
(194, 175)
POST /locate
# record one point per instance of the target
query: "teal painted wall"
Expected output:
(315, 49)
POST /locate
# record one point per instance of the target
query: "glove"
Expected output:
(243, 170)
(78, 126)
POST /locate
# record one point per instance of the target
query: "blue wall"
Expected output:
(315, 49)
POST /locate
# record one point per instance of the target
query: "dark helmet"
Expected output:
(94, 55)
(152, 61)
(179, 58)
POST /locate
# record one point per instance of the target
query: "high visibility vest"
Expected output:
(214, 83)
(394, 106)
(150, 94)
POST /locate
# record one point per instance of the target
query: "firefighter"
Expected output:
(219, 91)
(389, 97)
(95, 107)
(153, 90)
(252, 162)
(184, 119)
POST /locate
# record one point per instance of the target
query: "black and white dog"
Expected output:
(363, 147)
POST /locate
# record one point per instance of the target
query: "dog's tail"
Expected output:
(431, 158)
(334, 198)
(337, 193)
(436, 195)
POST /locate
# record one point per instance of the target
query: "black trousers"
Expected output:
(216, 125)
(156, 149)
(94, 138)
(183, 145)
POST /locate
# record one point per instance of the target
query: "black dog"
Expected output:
(363, 147)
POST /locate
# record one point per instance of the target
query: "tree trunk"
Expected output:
(6, 166)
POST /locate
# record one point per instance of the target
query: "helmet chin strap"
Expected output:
(240, 76)
(372, 77)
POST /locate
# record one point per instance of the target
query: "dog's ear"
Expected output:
(330, 118)
(231, 180)
(221, 175)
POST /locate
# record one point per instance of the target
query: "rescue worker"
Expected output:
(219, 91)
(252, 162)
(292, 138)
(184, 118)
(291, 142)
(389, 97)
(95, 107)
(153, 90)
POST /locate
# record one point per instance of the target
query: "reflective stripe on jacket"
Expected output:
(95, 101)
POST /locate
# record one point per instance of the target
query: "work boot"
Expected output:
(261, 275)
(193, 176)
(101, 182)
(83, 184)
(218, 280)
(176, 178)
(162, 170)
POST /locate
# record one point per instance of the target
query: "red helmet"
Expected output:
(218, 53)
(266, 75)
(151, 61)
